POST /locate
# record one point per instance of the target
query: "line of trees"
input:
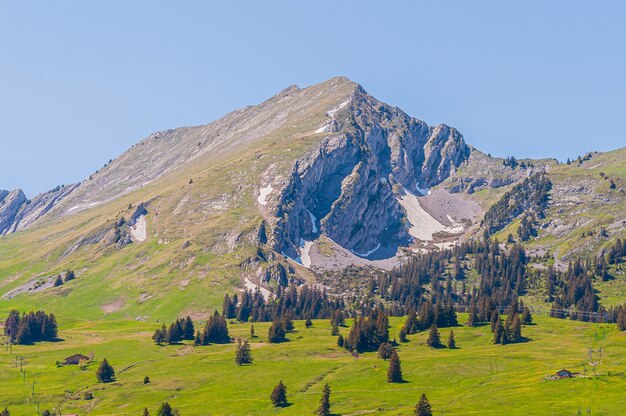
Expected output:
(181, 329)
(30, 327)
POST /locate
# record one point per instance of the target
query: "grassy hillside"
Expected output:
(478, 378)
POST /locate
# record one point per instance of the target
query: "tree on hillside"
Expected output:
(105, 373)
(146, 412)
(308, 323)
(385, 350)
(252, 331)
(423, 407)
(5, 412)
(166, 410)
(242, 352)
(70, 275)
(394, 374)
(434, 339)
(451, 340)
(340, 341)
(279, 395)
(277, 332)
(58, 281)
(159, 335)
(324, 409)
(188, 329)
(527, 317)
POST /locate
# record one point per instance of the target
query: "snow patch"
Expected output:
(252, 287)
(263, 194)
(332, 112)
(423, 225)
(368, 253)
(304, 258)
(313, 220)
(322, 129)
(422, 191)
(139, 230)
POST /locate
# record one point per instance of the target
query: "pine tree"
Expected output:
(252, 331)
(385, 350)
(394, 374)
(308, 323)
(277, 332)
(451, 340)
(498, 331)
(433, 337)
(5, 412)
(146, 380)
(173, 334)
(105, 373)
(423, 407)
(165, 410)
(188, 329)
(58, 281)
(340, 341)
(279, 395)
(146, 412)
(242, 353)
(516, 329)
(527, 317)
(324, 409)
(335, 330)
(402, 335)
(159, 335)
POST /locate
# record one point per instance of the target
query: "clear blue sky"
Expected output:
(80, 82)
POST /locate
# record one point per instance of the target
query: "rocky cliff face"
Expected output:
(348, 187)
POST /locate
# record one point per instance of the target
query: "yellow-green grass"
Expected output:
(478, 378)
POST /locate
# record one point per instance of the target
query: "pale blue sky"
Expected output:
(80, 82)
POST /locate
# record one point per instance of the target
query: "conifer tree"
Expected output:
(188, 329)
(58, 281)
(527, 317)
(324, 409)
(394, 374)
(385, 350)
(308, 323)
(5, 412)
(252, 331)
(242, 353)
(166, 410)
(146, 412)
(402, 335)
(451, 340)
(279, 395)
(516, 329)
(335, 330)
(277, 332)
(423, 407)
(498, 331)
(159, 335)
(434, 339)
(340, 341)
(105, 373)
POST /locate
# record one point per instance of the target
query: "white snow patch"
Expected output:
(252, 287)
(83, 206)
(139, 230)
(313, 219)
(423, 191)
(322, 129)
(368, 253)
(304, 258)
(332, 112)
(446, 245)
(423, 225)
(263, 194)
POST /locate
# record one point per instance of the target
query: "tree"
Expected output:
(70, 275)
(105, 373)
(58, 281)
(384, 351)
(423, 407)
(146, 412)
(159, 335)
(46, 413)
(5, 412)
(394, 374)
(335, 330)
(277, 332)
(146, 380)
(527, 317)
(188, 329)
(174, 333)
(433, 337)
(242, 353)
(279, 395)
(340, 341)
(516, 329)
(308, 323)
(451, 340)
(166, 410)
(402, 335)
(324, 409)
(252, 331)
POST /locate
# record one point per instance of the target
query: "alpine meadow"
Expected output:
(321, 252)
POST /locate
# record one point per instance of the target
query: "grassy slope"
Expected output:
(477, 379)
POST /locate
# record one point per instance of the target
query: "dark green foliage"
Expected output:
(46, 413)
(229, 307)
(58, 281)
(105, 373)
(146, 380)
(166, 410)
(526, 229)
(366, 334)
(340, 341)
(402, 335)
(423, 407)
(394, 373)
(279, 395)
(308, 323)
(70, 275)
(188, 329)
(527, 317)
(324, 409)
(146, 412)
(30, 327)
(529, 196)
(385, 350)
(88, 395)
(174, 333)
(252, 331)
(434, 339)
(215, 331)
(277, 332)
(159, 335)
(334, 330)
(243, 355)
(451, 340)
(5, 412)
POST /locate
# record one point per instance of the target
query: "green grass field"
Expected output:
(478, 378)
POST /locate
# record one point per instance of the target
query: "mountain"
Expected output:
(313, 179)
